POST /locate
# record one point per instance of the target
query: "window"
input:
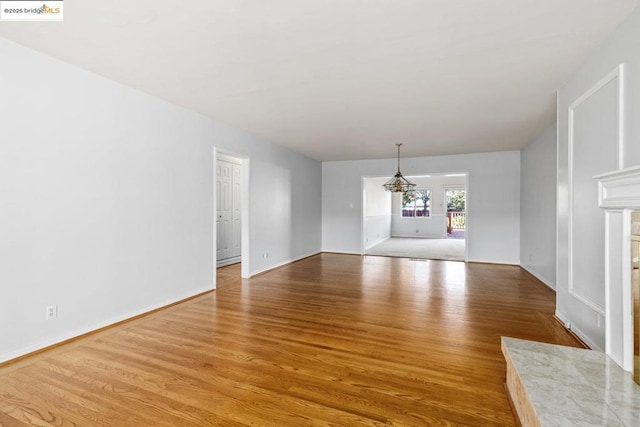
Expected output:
(416, 203)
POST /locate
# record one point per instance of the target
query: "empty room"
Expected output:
(320, 213)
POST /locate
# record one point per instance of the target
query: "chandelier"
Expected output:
(398, 184)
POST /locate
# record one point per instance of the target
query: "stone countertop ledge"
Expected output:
(553, 385)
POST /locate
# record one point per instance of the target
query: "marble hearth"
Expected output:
(552, 385)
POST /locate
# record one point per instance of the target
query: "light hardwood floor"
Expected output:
(331, 340)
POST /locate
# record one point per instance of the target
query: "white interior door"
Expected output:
(235, 209)
(224, 209)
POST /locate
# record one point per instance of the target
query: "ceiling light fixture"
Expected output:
(398, 184)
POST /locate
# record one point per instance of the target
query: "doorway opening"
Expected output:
(455, 201)
(228, 209)
(427, 223)
(231, 206)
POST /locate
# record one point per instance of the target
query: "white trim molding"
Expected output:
(619, 189)
(619, 195)
(567, 324)
(538, 276)
(617, 74)
(286, 262)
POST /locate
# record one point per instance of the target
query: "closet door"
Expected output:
(224, 210)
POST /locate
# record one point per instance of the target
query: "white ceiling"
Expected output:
(343, 79)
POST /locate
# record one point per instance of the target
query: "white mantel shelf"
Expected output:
(619, 189)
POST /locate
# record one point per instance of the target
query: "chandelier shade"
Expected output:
(398, 184)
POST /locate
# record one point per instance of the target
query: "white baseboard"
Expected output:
(567, 324)
(563, 319)
(289, 261)
(329, 251)
(377, 242)
(419, 236)
(479, 261)
(538, 276)
(228, 261)
(98, 326)
(592, 345)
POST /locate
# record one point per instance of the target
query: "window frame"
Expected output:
(429, 205)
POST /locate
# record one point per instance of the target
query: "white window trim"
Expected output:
(419, 218)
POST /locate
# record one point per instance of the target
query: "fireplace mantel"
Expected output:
(619, 195)
(619, 189)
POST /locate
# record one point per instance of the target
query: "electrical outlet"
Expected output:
(265, 255)
(52, 311)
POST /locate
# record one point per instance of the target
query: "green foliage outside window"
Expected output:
(455, 200)
(416, 203)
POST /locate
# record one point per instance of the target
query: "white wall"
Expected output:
(596, 135)
(433, 226)
(493, 200)
(538, 206)
(107, 201)
(377, 212)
